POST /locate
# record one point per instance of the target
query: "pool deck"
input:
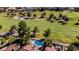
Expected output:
(26, 48)
(29, 48)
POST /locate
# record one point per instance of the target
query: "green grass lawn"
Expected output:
(65, 33)
(10, 41)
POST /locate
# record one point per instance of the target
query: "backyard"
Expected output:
(61, 33)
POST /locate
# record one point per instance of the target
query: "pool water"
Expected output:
(38, 43)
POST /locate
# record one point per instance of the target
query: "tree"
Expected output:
(23, 32)
(50, 17)
(13, 27)
(60, 15)
(48, 43)
(34, 15)
(0, 26)
(29, 14)
(22, 29)
(47, 33)
(35, 30)
(43, 15)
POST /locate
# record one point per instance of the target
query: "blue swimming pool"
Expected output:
(38, 43)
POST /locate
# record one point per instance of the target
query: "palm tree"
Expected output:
(48, 42)
(35, 30)
(34, 15)
(46, 34)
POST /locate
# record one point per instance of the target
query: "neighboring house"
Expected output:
(12, 47)
(50, 49)
(60, 46)
(2, 9)
(13, 9)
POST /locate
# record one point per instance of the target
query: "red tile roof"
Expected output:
(50, 49)
(13, 46)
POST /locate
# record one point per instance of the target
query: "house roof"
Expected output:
(9, 48)
(50, 49)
